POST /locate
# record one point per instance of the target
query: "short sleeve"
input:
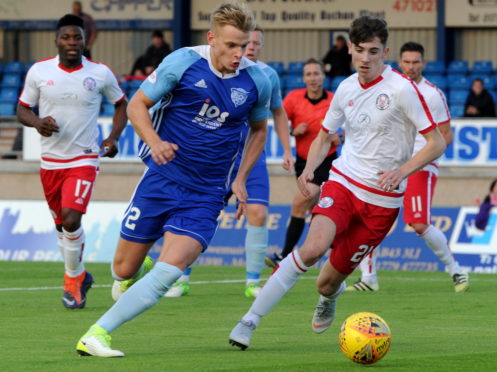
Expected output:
(335, 116)
(31, 92)
(260, 110)
(167, 75)
(275, 88)
(416, 109)
(440, 109)
(112, 90)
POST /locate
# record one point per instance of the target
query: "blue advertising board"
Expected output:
(27, 233)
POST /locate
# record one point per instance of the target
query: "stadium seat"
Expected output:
(107, 109)
(295, 68)
(7, 108)
(9, 94)
(439, 81)
(482, 67)
(456, 111)
(458, 96)
(294, 82)
(336, 82)
(28, 65)
(11, 80)
(458, 67)
(279, 67)
(394, 64)
(434, 67)
(327, 83)
(16, 67)
(461, 82)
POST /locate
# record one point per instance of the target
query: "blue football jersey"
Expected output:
(203, 112)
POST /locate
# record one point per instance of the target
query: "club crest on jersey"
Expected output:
(382, 101)
(239, 96)
(325, 202)
(89, 83)
(152, 77)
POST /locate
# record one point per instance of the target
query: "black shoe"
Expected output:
(273, 261)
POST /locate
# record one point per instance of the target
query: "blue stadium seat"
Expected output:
(434, 67)
(294, 82)
(28, 65)
(17, 67)
(295, 68)
(438, 80)
(279, 67)
(482, 67)
(456, 111)
(327, 83)
(336, 82)
(461, 82)
(394, 64)
(458, 96)
(11, 80)
(9, 94)
(107, 109)
(458, 67)
(7, 108)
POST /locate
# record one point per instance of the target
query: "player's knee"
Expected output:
(419, 228)
(122, 270)
(257, 217)
(71, 224)
(311, 252)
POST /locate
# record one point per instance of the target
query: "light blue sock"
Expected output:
(140, 296)
(256, 242)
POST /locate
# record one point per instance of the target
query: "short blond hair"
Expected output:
(234, 14)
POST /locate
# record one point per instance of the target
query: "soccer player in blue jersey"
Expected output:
(256, 240)
(206, 94)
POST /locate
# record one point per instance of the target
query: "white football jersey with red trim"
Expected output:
(437, 103)
(380, 120)
(72, 97)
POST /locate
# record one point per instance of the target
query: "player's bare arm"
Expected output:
(109, 145)
(299, 129)
(281, 126)
(161, 151)
(317, 153)
(256, 140)
(447, 133)
(45, 126)
(434, 148)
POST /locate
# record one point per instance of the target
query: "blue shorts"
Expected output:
(161, 205)
(257, 182)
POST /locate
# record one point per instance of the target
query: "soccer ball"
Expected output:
(364, 338)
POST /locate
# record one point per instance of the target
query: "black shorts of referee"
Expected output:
(321, 174)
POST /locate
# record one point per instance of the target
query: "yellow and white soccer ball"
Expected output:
(364, 338)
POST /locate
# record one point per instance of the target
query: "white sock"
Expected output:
(437, 242)
(282, 280)
(74, 243)
(368, 268)
(60, 243)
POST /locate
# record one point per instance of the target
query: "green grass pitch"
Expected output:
(433, 328)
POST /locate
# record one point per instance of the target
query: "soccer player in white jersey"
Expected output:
(206, 96)
(256, 240)
(421, 185)
(380, 110)
(68, 89)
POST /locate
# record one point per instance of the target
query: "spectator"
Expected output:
(337, 60)
(479, 102)
(155, 53)
(490, 201)
(89, 27)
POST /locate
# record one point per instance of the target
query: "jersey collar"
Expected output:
(375, 81)
(69, 70)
